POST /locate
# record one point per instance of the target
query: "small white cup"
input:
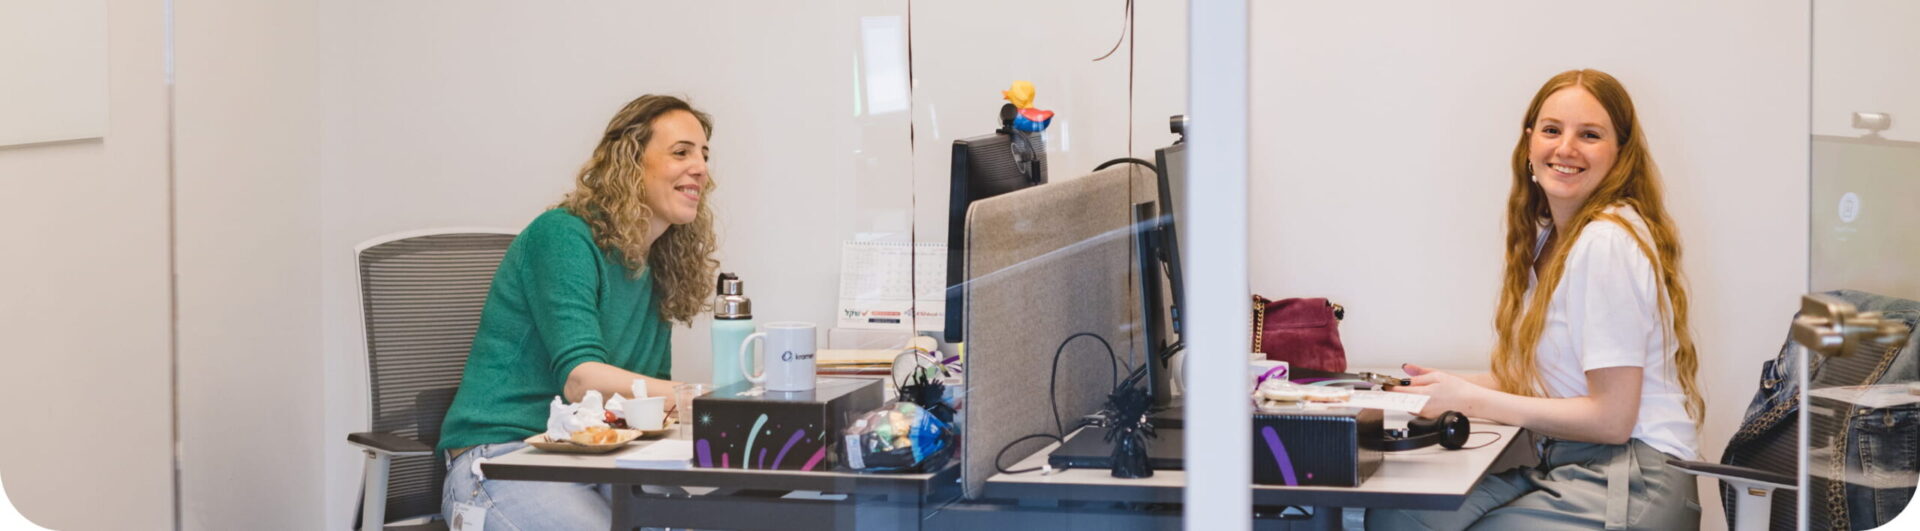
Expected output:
(648, 413)
(788, 364)
(1262, 370)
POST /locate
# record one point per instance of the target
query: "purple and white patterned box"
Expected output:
(743, 426)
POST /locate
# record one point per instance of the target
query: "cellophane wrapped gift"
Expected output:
(900, 437)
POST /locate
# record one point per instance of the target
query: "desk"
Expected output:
(1427, 478)
(741, 499)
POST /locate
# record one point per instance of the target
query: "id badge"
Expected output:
(468, 517)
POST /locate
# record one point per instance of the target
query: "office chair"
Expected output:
(1857, 339)
(420, 298)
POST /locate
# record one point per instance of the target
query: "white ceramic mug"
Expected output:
(788, 363)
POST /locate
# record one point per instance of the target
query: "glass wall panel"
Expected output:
(1863, 411)
(1053, 231)
(832, 153)
(487, 115)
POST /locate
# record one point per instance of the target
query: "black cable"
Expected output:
(1053, 399)
(1125, 160)
(1133, 377)
(1496, 438)
(1003, 453)
(1175, 348)
(1125, 29)
(1053, 381)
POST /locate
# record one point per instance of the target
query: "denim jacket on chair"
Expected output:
(1883, 444)
(1881, 464)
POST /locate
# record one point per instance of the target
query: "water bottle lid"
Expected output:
(733, 303)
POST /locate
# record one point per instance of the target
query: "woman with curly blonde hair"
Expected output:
(584, 300)
(1594, 351)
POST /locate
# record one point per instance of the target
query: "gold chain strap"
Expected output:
(1837, 487)
(1836, 466)
(1768, 419)
(1259, 321)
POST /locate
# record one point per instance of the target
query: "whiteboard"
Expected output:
(54, 54)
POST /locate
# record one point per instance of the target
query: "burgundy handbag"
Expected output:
(1305, 333)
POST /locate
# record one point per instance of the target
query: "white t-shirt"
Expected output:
(1604, 313)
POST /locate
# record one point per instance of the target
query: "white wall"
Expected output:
(58, 49)
(1864, 55)
(1381, 139)
(85, 304)
(247, 161)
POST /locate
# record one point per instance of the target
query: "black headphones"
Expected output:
(1450, 430)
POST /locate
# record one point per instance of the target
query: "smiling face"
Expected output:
(674, 168)
(1571, 145)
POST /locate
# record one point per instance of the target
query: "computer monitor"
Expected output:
(1158, 243)
(1147, 224)
(1172, 162)
(983, 167)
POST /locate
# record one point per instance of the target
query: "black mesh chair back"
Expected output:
(421, 297)
(1772, 445)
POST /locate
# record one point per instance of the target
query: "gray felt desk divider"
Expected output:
(1043, 264)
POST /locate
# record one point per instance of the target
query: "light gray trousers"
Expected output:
(1577, 485)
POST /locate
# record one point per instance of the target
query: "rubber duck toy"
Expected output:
(1028, 118)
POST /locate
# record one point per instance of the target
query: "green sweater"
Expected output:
(557, 301)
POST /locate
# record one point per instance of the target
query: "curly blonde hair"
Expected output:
(610, 197)
(1633, 181)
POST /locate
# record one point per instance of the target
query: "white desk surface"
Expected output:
(536, 465)
(1431, 477)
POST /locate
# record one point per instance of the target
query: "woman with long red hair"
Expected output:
(1594, 352)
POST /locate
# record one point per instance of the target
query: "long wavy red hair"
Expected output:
(1633, 181)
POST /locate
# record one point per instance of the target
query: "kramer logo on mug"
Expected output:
(793, 369)
(790, 356)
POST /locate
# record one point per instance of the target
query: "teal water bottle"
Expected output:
(732, 323)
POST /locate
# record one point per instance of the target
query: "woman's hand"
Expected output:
(1445, 391)
(1482, 379)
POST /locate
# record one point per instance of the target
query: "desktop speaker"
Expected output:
(1335, 447)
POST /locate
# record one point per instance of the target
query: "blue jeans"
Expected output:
(520, 505)
(1577, 485)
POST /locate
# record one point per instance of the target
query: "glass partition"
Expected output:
(1863, 404)
(489, 115)
(1035, 171)
(838, 134)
